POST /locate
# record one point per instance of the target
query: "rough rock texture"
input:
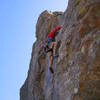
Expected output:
(77, 69)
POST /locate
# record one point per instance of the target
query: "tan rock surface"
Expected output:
(77, 69)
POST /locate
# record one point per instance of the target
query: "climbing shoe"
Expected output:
(51, 70)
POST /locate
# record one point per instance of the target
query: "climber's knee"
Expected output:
(55, 44)
(50, 54)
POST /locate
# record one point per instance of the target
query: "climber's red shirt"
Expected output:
(53, 33)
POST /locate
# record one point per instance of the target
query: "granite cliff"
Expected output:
(77, 69)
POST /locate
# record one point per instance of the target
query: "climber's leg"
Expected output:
(50, 53)
(54, 48)
(51, 61)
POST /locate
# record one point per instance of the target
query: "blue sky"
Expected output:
(17, 34)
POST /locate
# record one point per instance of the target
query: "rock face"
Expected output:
(77, 69)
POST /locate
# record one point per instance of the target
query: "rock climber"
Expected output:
(52, 45)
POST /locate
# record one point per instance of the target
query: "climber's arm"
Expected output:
(56, 30)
